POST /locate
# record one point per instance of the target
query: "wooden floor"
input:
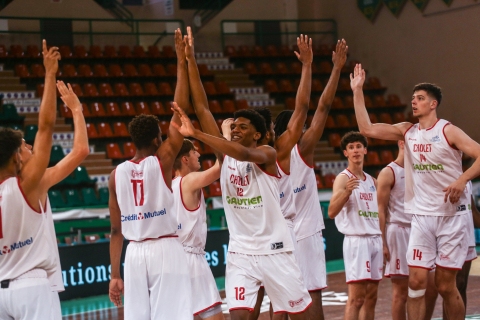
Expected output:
(336, 284)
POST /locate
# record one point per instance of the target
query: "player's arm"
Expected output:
(34, 169)
(290, 137)
(385, 182)
(475, 214)
(377, 130)
(196, 180)
(342, 189)
(310, 138)
(80, 148)
(116, 244)
(458, 139)
(199, 97)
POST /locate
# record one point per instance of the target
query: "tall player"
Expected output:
(354, 207)
(27, 257)
(434, 193)
(157, 279)
(309, 219)
(395, 227)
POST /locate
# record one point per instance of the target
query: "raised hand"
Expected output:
(68, 96)
(179, 44)
(454, 191)
(187, 129)
(115, 291)
(189, 43)
(358, 77)
(50, 58)
(352, 184)
(305, 47)
(227, 128)
(339, 56)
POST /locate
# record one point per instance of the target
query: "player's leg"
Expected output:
(214, 313)
(367, 312)
(258, 304)
(136, 295)
(30, 299)
(56, 307)
(357, 292)
(452, 301)
(430, 295)
(399, 297)
(417, 285)
(375, 248)
(462, 281)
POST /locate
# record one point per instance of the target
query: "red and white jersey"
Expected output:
(252, 208)
(359, 215)
(56, 279)
(145, 200)
(24, 243)
(470, 226)
(431, 166)
(397, 195)
(309, 219)
(192, 224)
(287, 203)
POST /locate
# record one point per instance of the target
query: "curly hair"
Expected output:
(187, 146)
(143, 129)
(281, 122)
(352, 136)
(255, 118)
(431, 89)
(10, 140)
(265, 113)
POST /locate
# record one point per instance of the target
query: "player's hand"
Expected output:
(454, 191)
(358, 77)
(189, 43)
(179, 45)
(386, 253)
(352, 184)
(187, 129)
(115, 291)
(68, 96)
(304, 44)
(339, 56)
(50, 58)
(227, 128)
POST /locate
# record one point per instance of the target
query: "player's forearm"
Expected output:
(232, 149)
(80, 137)
(48, 106)
(116, 246)
(182, 89)
(336, 204)
(199, 97)
(328, 94)
(382, 217)
(472, 172)
(361, 113)
(302, 99)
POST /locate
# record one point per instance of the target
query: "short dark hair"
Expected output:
(281, 122)
(266, 114)
(187, 146)
(10, 140)
(255, 118)
(143, 129)
(431, 89)
(353, 136)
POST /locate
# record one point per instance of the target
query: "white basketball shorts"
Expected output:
(311, 260)
(397, 242)
(363, 258)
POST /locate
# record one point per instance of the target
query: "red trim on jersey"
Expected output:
(271, 175)
(183, 203)
(447, 268)
(393, 171)
(365, 179)
(283, 171)
(410, 266)
(366, 279)
(213, 305)
(443, 131)
(298, 312)
(161, 237)
(320, 289)
(397, 164)
(301, 157)
(431, 126)
(163, 174)
(25, 198)
(241, 308)
(138, 161)
(407, 131)
(6, 179)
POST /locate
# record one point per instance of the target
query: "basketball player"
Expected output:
(259, 238)
(395, 227)
(309, 219)
(434, 193)
(354, 207)
(191, 212)
(27, 256)
(157, 278)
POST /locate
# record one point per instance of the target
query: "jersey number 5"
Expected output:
(138, 185)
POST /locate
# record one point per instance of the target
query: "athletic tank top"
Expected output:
(56, 279)
(470, 226)
(145, 200)
(252, 208)
(287, 203)
(432, 165)
(24, 244)
(397, 194)
(192, 224)
(309, 219)
(359, 216)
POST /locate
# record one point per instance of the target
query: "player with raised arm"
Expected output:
(395, 227)
(354, 207)
(157, 277)
(27, 257)
(309, 219)
(434, 192)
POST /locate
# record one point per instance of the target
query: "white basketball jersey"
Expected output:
(397, 195)
(24, 244)
(309, 219)
(192, 224)
(432, 165)
(252, 208)
(56, 279)
(359, 216)
(145, 200)
(470, 226)
(287, 203)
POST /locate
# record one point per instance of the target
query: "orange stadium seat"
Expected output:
(120, 129)
(97, 110)
(296, 67)
(329, 179)
(242, 104)
(207, 163)
(114, 70)
(266, 68)
(393, 100)
(21, 71)
(271, 50)
(89, 90)
(68, 70)
(104, 130)
(386, 156)
(385, 118)
(142, 107)
(230, 51)
(121, 90)
(203, 70)
(124, 52)
(258, 51)
(285, 50)
(129, 149)
(77, 89)
(317, 85)
(105, 90)
(92, 132)
(353, 121)
(3, 51)
(372, 158)
(334, 140)
(172, 69)
(80, 51)
(37, 70)
(151, 89)
(322, 50)
(342, 121)
(228, 106)
(379, 101)
(40, 89)
(337, 103)
(86, 111)
(135, 89)
(159, 70)
(319, 181)
(344, 84)
(286, 86)
(325, 67)
(95, 52)
(165, 88)
(65, 51)
(214, 106)
(16, 51)
(222, 87)
(209, 88)
(164, 125)
(214, 189)
(157, 108)
(99, 70)
(219, 122)
(250, 68)
(138, 52)
(109, 52)
(398, 117)
(271, 86)
(130, 70)
(84, 70)
(373, 118)
(144, 70)
(198, 146)
(290, 103)
(330, 123)
(348, 102)
(368, 102)
(168, 52)
(112, 109)
(32, 51)
(127, 109)
(281, 68)
(113, 151)
(196, 125)
(154, 52)
(373, 83)
(65, 111)
(244, 51)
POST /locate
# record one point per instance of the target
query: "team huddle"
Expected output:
(412, 223)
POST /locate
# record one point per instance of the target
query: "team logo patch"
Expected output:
(5, 250)
(276, 245)
(461, 207)
(293, 303)
(435, 139)
(372, 188)
(137, 174)
(249, 168)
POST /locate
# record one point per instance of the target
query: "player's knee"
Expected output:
(416, 293)
(416, 283)
(357, 302)
(400, 295)
(445, 288)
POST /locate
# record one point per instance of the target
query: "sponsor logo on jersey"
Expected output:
(249, 168)
(435, 139)
(145, 215)
(179, 227)
(422, 147)
(428, 167)
(244, 201)
(366, 196)
(300, 189)
(463, 207)
(368, 214)
(276, 245)
(231, 168)
(282, 195)
(372, 188)
(137, 174)
(293, 303)
(239, 181)
(16, 245)
(444, 257)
